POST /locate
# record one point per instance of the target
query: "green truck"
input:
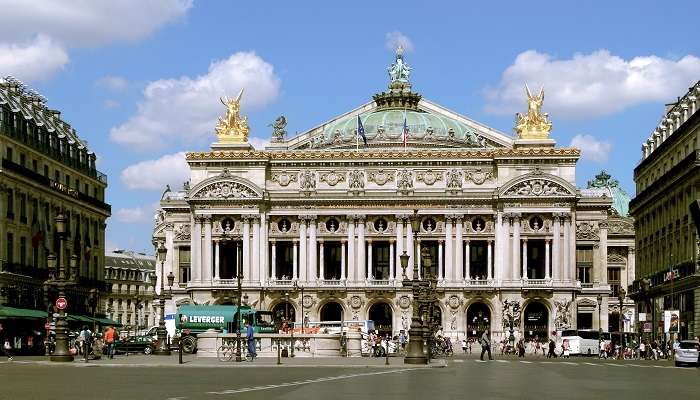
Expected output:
(192, 320)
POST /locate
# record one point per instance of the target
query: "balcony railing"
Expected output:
(536, 282)
(379, 282)
(332, 282)
(281, 282)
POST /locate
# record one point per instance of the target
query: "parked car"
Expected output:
(135, 344)
(687, 353)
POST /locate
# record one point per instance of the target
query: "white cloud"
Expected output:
(186, 109)
(112, 83)
(111, 104)
(259, 143)
(591, 148)
(87, 22)
(136, 215)
(590, 85)
(32, 60)
(395, 39)
(170, 169)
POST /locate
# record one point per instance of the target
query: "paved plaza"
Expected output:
(142, 377)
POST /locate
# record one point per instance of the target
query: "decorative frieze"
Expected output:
(380, 177)
(284, 178)
(332, 178)
(478, 176)
(429, 177)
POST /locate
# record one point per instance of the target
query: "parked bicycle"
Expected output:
(227, 351)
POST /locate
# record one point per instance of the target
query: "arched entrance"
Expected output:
(331, 312)
(536, 321)
(283, 311)
(382, 316)
(478, 320)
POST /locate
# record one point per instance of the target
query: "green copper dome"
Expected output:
(386, 126)
(620, 198)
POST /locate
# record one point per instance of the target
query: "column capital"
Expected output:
(441, 241)
(206, 218)
(524, 240)
(489, 240)
(467, 240)
(369, 241)
(358, 217)
(343, 241)
(403, 217)
(295, 241)
(273, 241)
(320, 241)
(603, 224)
(547, 240)
(556, 217)
(631, 249)
(308, 217)
(392, 240)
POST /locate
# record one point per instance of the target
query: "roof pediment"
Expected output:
(537, 184)
(225, 187)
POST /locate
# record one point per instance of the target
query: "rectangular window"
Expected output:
(10, 248)
(57, 176)
(22, 159)
(184, 263)
(584, 263)
(614, 280)
(23, 208)
(46, 171)
(23, 250)
(67, 180)
(35, 165)
(11, 204)
(8, 153)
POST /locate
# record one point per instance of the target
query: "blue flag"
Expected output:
(361, 130)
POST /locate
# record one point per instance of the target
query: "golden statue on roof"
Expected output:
(533, 125)
(232, 128)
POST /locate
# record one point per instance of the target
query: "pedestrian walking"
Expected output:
(110, 334)
(250, 338)
(485, 342)
(465, 345)
(85, 337)
(7, 348)
(402, 340)
(552, 346)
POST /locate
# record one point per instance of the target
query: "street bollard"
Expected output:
(86, 350)
(179, 351)
(279, 355)
(386, 353)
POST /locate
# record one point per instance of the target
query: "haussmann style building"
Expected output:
(502, 225)
(668, 182)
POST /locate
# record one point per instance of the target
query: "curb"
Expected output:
(438, 364)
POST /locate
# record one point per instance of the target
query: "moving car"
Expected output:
(687, 353)
(135, 344)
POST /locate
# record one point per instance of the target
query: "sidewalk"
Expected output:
(190, 361)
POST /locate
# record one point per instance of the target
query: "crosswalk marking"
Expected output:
(602, 364)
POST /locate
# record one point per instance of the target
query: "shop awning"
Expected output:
(21, 313)
(80, 318)
(107, 322)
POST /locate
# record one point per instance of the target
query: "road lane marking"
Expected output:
(458, 361)
(595, 365)
(526, 362)
(310, 381)
(569, 363)
(502, 361)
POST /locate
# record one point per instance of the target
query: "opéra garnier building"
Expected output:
(501, 220)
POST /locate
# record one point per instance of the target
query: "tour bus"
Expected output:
(582, 342)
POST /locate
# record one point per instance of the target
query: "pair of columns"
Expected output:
(205, 249)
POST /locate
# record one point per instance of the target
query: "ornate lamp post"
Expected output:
(621, 297)
(94, 298)
(414, 353)
(163, 349)
(61, 278)
(239, 278)
(300, 288)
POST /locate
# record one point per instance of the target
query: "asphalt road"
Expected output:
(462, 378)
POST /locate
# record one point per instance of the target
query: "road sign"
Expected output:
(61, 303)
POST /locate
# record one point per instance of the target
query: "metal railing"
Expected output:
(379, 282)
(332, 282)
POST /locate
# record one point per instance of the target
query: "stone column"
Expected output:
(410, 247)
(631, 265)
(468, 261)
(351, 250)
(572, 249)
(459, 247)
(246, 248)
(264, 246)
(196, 258)
(303, 253)
(418, 259)
(273, 243)
(489, 259)
(392, 260)
(208, 265)
(546, 259)
(441, 265)
(449, 253)
(342, 260)
(565, 252)
(313, 251)
(603, 226)
(361, 262)
(369, 261)
(399, 239)
(524, 270)
(255, 275)
(516, 248)
(556, 247)
(321, 262)
(295, 258)
(216, 260)
(500, 251)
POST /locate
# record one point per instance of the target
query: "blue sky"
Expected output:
(140, 80)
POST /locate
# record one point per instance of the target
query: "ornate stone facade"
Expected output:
(495, 229)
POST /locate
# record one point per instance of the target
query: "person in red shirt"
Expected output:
(110, 335)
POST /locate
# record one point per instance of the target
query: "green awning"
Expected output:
(81, 318)
(107, 322)
(21, 313)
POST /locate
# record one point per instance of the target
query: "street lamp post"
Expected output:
(94, 300)
(163, 348)
(600, 324)
(239, 277)
(300, 288)
(414, 353)
(61, 278)
(621, 297)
